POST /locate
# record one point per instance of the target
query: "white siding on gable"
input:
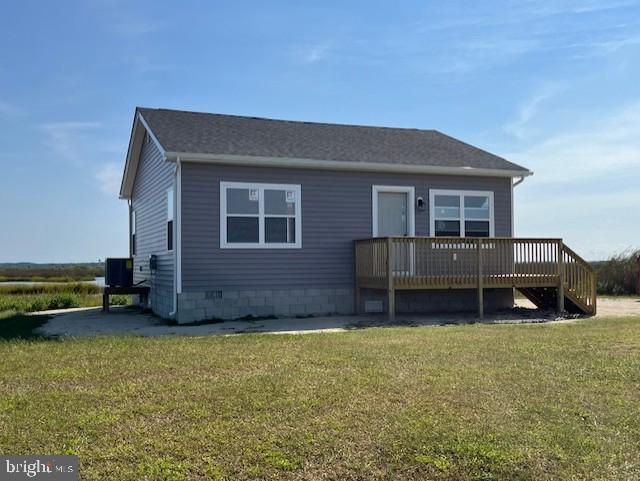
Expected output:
(149, 201)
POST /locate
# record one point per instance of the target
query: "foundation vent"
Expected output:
(372, 306)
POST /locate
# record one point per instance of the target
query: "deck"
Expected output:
(533, 266)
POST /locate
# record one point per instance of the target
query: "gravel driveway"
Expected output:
(130, 321)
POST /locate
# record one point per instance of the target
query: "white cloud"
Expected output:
(87, 147)
(142, 64)
(606, 46)
(316, 52)
(596, 225)
(585, 185)
(8, 109)
(529, 109)
(608, 145)
(136, 26)
(512, 13)
(575, 28)
(108, 177)
(69, 139)
(467, 57)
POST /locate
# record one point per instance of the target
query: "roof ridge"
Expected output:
(253, 117)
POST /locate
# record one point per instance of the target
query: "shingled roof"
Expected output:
(202, 133)
(232, 139)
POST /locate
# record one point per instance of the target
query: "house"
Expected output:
(233, 216)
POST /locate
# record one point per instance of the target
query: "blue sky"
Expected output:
(552, 85)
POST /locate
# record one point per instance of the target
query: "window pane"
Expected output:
(476, 207)
(242, 201)
(449, 228)
(392, 213)
(279, 202)
(475, 228)
(242, 229)
(280, 230)
(447, 206)
(170, 235)
(170, 204)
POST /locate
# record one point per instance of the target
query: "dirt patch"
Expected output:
(624, 306)
(607, 306)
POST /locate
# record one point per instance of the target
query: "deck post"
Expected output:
(479, 273)
(594, 292)
(391, 292)
(560, 277)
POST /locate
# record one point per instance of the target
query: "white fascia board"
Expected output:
(341, 165)
(151, 134)
(133, 154)
(128, 161)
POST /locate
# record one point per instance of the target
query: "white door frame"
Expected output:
(397, 189)
(411, 215)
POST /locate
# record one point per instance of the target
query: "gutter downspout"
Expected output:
(513, 218)
(130, 225)
(177, 237)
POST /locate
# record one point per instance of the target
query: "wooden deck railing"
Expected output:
(579, 279)
(456, 263)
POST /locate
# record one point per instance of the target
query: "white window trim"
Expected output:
(170, 218)
(134, 251)
(400, 189)
(261, 215)
(461, 194)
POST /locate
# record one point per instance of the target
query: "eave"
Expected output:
(283, 162)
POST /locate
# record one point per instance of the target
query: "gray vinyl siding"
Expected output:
(149, 201)
(336, 209)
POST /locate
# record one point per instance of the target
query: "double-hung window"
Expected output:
(456, 213)
(170, 219)
(260, 215)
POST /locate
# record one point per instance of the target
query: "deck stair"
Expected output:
(547, 298)
(546, 271)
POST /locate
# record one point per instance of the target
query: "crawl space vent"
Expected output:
(372, 306)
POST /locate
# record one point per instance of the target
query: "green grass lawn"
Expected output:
(15, 325)
(476, 402)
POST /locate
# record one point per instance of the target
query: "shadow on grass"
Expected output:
(216, 320)
(515, 315)
(14, 325)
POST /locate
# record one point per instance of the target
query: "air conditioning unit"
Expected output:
(118, 272)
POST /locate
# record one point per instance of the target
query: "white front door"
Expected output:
(393, 211)
(393, 216)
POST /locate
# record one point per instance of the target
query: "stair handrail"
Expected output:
(577, 258)
(581, 285)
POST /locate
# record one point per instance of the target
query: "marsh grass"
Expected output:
(67, 288)
(475, 402)
(51, 272)
(42, 297)
(618, 276)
